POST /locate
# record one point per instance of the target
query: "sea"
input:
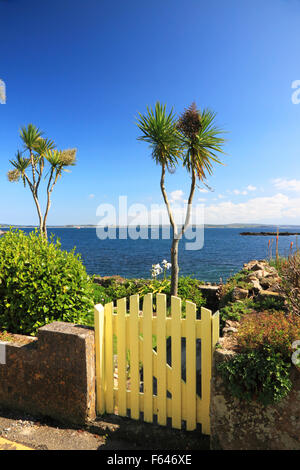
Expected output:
(223, 253)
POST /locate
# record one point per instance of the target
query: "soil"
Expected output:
(16, 339)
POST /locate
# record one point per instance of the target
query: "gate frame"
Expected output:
(108, 323)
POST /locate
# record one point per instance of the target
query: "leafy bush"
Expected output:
(115, 290)
(40, 283)
(261, 375)
(275, 329)
(188, 289)
(271, 304)
(235, 310)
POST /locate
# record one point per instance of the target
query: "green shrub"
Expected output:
(40, 283)
(261, 375)
(188, 289)
(277, 330)
(269, 303)
(234, 311)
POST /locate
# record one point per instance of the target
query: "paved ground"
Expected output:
(5, 444)
(30, 432)
(106, 433)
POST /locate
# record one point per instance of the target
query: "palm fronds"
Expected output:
(159, 129)
(203, 145)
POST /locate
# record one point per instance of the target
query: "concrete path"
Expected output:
(109, 432)
(5, 444)
(31, 433)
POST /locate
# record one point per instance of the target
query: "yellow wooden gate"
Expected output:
(134, 341)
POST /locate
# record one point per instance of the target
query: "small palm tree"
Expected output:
(193, 138)
(30, 169)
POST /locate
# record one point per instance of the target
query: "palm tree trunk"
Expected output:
(175, 241)
(49, 192)
(36, 201)
(175, 267)
(177, 238)
(38, 208)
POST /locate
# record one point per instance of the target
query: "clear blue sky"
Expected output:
(81, 70)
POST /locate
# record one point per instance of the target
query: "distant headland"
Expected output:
(270, 234)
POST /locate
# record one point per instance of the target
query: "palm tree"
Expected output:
(202, 143)
(196, 140)
(30, 169)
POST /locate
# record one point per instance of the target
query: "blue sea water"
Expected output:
(223, 254)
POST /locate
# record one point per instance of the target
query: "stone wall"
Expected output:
(53, 375)
(237, 425)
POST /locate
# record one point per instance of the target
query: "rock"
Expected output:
(266, 294)
(257, 267)
(251, 277)
(256, 285)
(2, 233)
(230, 329)
(266, 283)
(239, 294)
(260, 273)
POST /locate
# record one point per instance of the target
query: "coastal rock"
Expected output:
(106, 281)
(267, 294)
(258, 267)
(239, 294)
(230, 329)
(256, 285)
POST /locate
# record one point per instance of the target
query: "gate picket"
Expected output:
(109, 358)
(147, 358)
(121, 350)
(161, 360)
(176, 361)
(191, 366)
(134, 357)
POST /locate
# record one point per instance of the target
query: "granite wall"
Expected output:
(238, 425)
(53, 375)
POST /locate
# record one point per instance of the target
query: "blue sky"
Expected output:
(82, 70)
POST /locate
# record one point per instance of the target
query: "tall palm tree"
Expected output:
(159, 129)
(196, 140)
(201, 143)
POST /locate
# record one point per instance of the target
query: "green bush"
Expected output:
(187, 290)
(234, 311)
(40, 283)
(278, 330)
(261, 375)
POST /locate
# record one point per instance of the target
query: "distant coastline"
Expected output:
(235, 225)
